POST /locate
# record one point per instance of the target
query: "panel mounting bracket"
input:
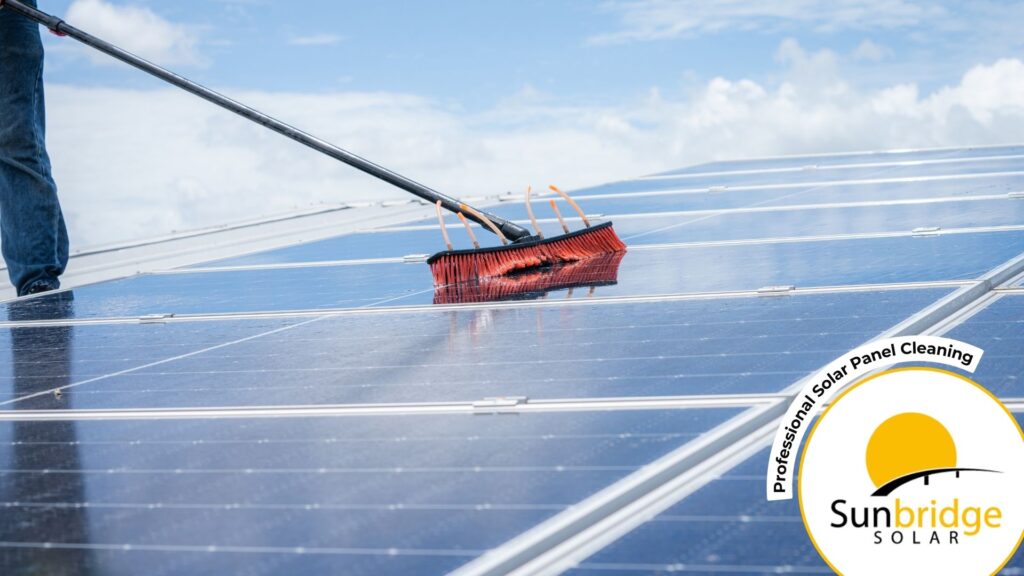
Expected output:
(926, 231)
(497, 404)
(154, 318)
(780, 290)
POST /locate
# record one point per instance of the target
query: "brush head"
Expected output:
(453, 266)
(602, 270)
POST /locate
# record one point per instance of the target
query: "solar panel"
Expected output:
(311, 409)
(242, 291)
(641, 273)
(612, 350)
(725, 527)
(999, 330)
(761, 184)
(820, 221)
(962, 210)
(440, 488)
(881, 156)
(761, 222)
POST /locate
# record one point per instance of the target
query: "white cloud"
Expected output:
(989, 94)
(136, 29)
(315, 40)
(869, 51)
(125, 171)
(646, 20)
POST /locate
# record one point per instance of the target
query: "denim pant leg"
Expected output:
(35, 240)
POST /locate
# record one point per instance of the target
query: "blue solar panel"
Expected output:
(998, 329)
(241, 291)
(670, 229)
(739, 345)
(967, 175)
(389, 244)
(854, 158)
(365, 495)
(637, 199)
(641, 272)
(725, 527)
(410, 492)
(685, 202)
(38, 359)
(859, 220)
(822, 221)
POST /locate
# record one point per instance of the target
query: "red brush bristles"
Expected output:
(601, 270)
(462, 265)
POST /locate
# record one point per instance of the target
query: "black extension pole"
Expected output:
(61, 28)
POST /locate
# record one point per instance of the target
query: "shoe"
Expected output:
(38, 288)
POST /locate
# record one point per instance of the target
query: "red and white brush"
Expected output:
(590, 273)
(526, 250)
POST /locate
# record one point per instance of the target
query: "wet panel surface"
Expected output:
(641, 272)
(738, 345)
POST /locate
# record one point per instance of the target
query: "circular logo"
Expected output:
(914, 471)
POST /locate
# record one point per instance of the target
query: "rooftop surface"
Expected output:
(295, 396)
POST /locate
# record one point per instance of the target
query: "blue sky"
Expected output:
(470, 54)
(492, 96)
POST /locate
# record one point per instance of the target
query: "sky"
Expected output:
(478, 97)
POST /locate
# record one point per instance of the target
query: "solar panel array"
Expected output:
(310, 409)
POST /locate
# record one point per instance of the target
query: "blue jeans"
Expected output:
(35, 240)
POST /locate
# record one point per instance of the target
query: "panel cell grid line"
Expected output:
(362, 495)
(700, 347)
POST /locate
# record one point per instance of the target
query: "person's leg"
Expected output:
(35, 244)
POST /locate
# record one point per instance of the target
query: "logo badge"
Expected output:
(914, 471)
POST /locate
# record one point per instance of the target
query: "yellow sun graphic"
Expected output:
(908, 443)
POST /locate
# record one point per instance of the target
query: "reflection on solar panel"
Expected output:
(320, 408)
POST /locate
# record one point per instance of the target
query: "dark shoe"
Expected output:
(38, 288)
